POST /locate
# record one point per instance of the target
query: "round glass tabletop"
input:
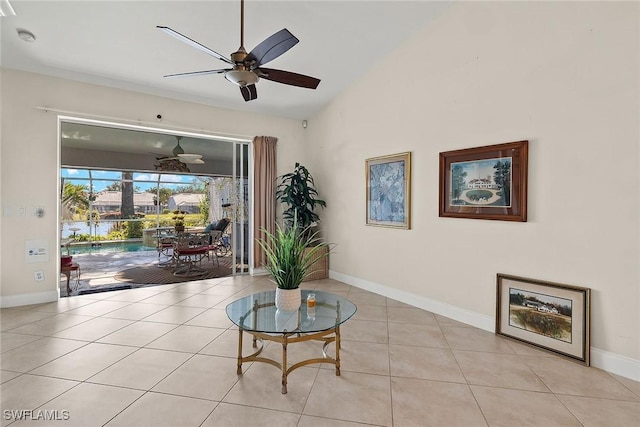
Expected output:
(257, 313)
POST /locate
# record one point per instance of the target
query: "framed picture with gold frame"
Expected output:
(487, 182)
(552, 316)
(388, 182)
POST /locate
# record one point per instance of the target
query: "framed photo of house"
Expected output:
(388, 182)
(485, 182)
(551, 316)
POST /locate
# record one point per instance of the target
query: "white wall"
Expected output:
(563, 76)
(29, 167)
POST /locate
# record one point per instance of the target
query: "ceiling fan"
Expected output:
(179, 159)
(247, 68)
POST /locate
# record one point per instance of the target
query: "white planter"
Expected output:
(288, 299)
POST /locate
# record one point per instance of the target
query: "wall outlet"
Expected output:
(39, 276)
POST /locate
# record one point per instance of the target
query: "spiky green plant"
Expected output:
(297, 191)
(291, 253)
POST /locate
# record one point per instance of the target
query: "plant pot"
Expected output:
(320, 267)
(179, 228)
(288, 299)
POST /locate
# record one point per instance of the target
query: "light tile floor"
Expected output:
(165, 356)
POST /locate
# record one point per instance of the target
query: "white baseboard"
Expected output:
(610, 362)
(28, 299)
(616, 363)
(258, 271)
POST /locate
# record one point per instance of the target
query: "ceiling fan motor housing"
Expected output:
(241, 74)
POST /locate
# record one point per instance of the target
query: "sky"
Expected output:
(102, 179)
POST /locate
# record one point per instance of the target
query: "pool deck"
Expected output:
(97, 269)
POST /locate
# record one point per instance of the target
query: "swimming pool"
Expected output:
(105, 247)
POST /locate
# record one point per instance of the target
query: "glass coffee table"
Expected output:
(257, 315)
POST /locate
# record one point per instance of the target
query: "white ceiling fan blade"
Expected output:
(191, 158)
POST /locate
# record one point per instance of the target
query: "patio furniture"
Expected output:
(188, 252)
(214, 239)
(67, 270)
(164, 244)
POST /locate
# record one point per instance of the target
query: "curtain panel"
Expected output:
(264, 197)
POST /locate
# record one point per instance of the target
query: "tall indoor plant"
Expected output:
(297, 191)
(291, 252)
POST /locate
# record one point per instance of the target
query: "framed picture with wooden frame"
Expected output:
(487, 182)
(388, 183)
(551, 316)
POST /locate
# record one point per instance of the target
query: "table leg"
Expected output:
(239, 370)
(68, 274)
(284, 365)
(78, 278)
(337, 351)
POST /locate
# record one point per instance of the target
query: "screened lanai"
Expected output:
(122, 188)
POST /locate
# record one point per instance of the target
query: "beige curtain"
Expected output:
(264, 196)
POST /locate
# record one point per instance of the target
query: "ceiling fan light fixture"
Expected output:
(241, 77)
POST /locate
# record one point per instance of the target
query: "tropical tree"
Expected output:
(196, 186)
(114, 186)
(164, 193)
(127, 210)
(205, 205)
(75, 198)
(502, 178)
(457, 181)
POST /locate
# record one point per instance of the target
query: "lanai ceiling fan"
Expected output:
(247, 68)
(179, 159)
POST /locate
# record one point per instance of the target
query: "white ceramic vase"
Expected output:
(288, 299)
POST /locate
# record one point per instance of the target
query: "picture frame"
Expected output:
(551, 316)
(487, 182)
(388, 187)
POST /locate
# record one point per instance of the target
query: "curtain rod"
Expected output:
(152, 125)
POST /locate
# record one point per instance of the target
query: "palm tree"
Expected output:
(127, 209)
(75, 199)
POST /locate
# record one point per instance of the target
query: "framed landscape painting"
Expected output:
(551, 316)
(388, 182)
(485, 182)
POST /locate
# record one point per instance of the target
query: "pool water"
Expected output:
(105, 247)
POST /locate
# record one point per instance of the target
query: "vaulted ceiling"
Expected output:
(116, 43)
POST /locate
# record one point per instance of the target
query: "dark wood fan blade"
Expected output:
(199, 73)
(249, 92)
(272, 47)
(194, 43)
(289, 78)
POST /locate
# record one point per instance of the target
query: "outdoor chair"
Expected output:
(164, 246)
(189, 250)
(217, 244)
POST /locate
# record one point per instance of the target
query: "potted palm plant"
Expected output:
(178, 221)
(291, 252)
(297, 191)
